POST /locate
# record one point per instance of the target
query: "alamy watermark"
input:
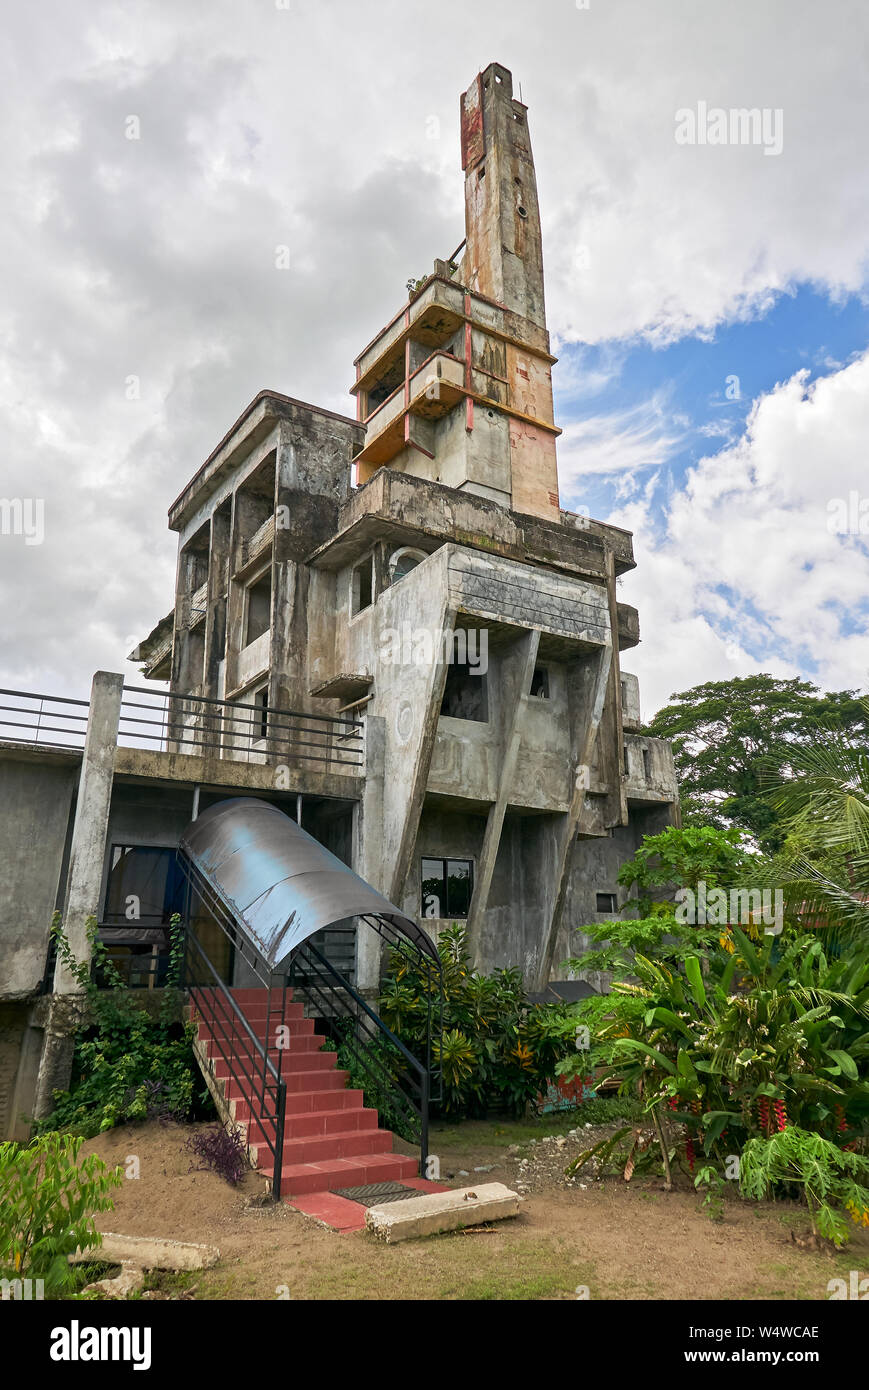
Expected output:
(23, 516)
(22, 1290)
(738, 125)
(855, 1288)
(848, 516)
(423, 646)
(740, 906)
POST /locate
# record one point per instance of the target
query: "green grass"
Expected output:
(501, 1132)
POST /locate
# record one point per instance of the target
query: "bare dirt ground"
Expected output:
(617, 1240)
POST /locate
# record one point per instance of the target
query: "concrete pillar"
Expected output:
(368, 859)
(87, 853)
(587, 688)
(84, 882)
(517, 671)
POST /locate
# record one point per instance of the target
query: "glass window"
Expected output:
(447, 885)
(607, 902)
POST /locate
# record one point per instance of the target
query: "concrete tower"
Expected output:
(458, 387)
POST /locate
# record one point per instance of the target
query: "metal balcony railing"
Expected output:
(256, 733)
(192, 724)
(52, 721)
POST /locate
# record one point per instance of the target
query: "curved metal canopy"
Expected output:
(279, 883)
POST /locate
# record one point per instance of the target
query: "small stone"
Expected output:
(463, 1173)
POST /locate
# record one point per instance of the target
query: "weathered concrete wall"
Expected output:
(19, 1058)
(36, 797)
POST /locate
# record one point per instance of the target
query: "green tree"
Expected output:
(732, 738)
(48, 1197)
(823, 803)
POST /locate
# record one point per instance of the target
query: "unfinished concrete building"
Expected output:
(387, 626)
(441, 596)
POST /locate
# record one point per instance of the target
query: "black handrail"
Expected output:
(312, 975)
(264, 1089)
(241, 1064)
(334, 998)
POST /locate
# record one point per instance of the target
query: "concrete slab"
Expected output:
(343, 1215)
(149, 1252)
(442, 1211)
(131, 1277)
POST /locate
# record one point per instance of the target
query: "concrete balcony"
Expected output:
(256, 545)
(198, 605)
(650, 770)
(432, 390)
(415, 511)
(431, 319)
(629, 626)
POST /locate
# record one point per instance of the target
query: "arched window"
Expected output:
(402, 561)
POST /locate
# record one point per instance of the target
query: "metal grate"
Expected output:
(373, 1193)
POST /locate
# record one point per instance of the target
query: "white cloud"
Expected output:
(749, 576)
(312, 127)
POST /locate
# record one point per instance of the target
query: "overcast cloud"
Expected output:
(332, 128)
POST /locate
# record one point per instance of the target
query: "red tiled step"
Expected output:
(318, 1122)
(291, 1062)
(308, 1102)
(305, 1045)
(361, 1144)
(248, 994)
(298, 1178)
(319, 1079)
(298, 1027)
(256, 1015)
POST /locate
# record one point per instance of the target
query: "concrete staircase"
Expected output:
(331, 1140)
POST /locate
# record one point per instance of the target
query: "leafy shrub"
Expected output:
(219, 1150)
(374, 1079)
(832, 1180)
(734, 1037)
(127, 1065)
(47, 1202)
(497, 1049)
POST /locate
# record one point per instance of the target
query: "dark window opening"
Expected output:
(465, 695)
(627, 764)
(363, 586)
(447, 885)
(259, 608)
(606, 902)
(647, 764)
(523, 212)
(378, 394)
(145, 887)
(481, 172)
(540, 683)
(261, 700)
